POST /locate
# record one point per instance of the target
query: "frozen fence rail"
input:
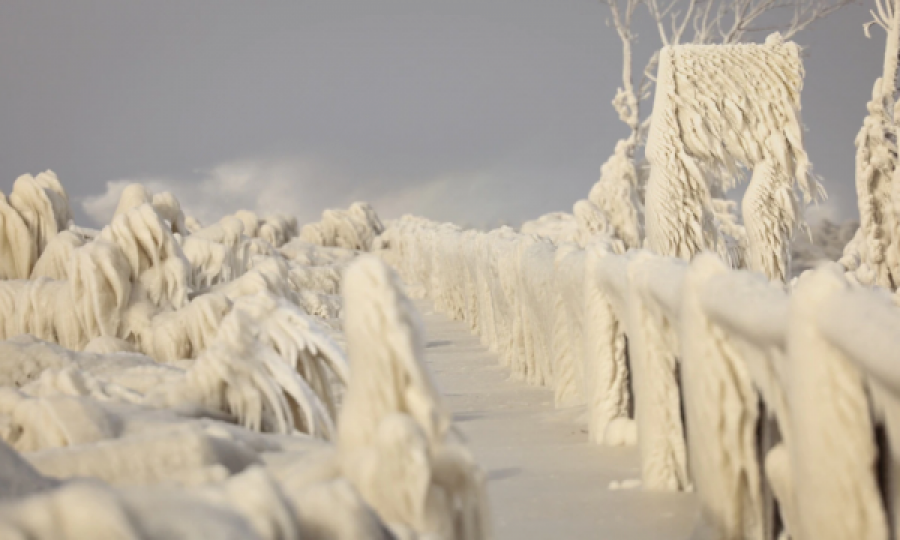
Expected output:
(766, 404)
(868, 337)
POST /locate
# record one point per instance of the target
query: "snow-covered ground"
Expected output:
(545, 480)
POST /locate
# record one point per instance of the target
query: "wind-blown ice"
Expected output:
(695, 363)
(718, 109)
(200, 373)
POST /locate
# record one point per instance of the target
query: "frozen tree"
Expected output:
(721, 109)
(700, 22)
(874, 254)
(620, 182)
(683, 21)
(618, 175)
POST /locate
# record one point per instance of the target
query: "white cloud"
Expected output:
(825, 210)
(305, 187)
(296, 187)
(435, 197)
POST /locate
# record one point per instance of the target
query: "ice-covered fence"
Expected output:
(756, 399)
(819, 362)
(651, 326)
(733, 325)
(842, 346)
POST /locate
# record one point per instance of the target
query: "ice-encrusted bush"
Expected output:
(202, 372)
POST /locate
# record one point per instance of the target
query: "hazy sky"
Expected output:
(463, 110)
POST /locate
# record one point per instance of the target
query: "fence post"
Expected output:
(833, 450)
(721, 407)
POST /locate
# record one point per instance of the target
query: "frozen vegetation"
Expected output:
(248, 379)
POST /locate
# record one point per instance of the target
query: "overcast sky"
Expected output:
(467, 111)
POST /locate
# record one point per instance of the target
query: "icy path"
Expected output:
(545, 481)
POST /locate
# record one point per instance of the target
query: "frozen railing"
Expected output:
(768, 405)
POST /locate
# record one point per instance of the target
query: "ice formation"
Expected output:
(694, 363)
(604, 355)
(396, 442)
(707, 369)
(873, 255)
(182, 381)
(19, 252)
(256, 379)
(762, 395)
(831, 424)
(709, 122)
(618, 195)
(354, 228)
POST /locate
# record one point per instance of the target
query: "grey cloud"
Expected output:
(465, 110)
